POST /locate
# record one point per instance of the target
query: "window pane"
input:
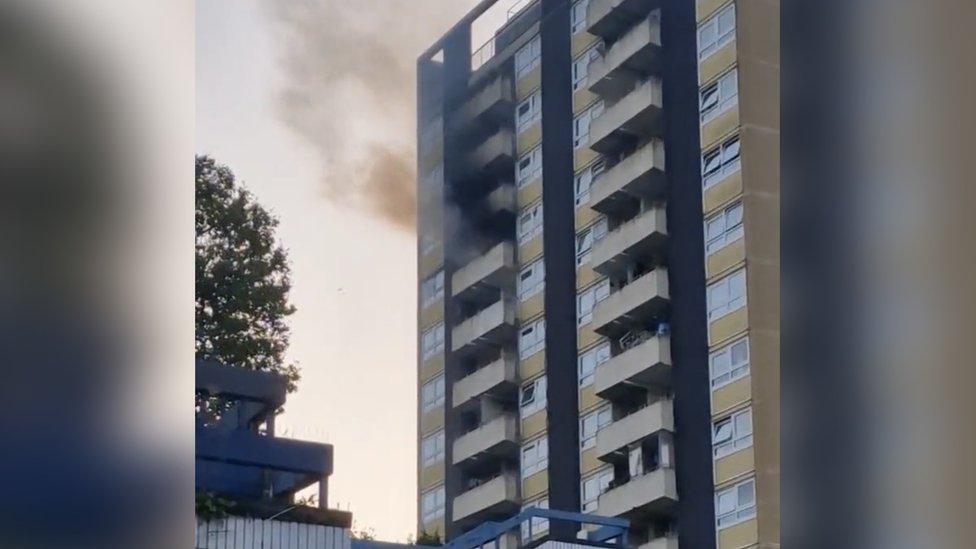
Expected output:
(720, 363)
(709, 98)
(730, 151)
(722, 431)
(712, 162)
(743, 423)
(747, 494)
(740, 352)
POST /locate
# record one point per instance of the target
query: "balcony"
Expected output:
(633, 304)
(608, 19)
(502, 200)
(492, 499)
(486, 330)
(665, 542)
(612, 439)
(639, 175)
(635, 116)
(498, 437)
(649, 494)
(493, 104)
(493, 270)
(648, 364)
(496, 379)
(495, 155)
(634, 55)
(637, 239)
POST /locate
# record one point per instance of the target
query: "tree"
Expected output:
(428, 539)
(242, 277)
(364, 533)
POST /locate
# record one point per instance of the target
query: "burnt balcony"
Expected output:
(639, 175)
(495, 155)
(491, 105)
(635, 117)
(490, 272)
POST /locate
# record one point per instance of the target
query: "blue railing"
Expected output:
(612, 532)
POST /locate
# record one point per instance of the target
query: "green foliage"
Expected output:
(242, 277)
(210, 506)
(363, 533)
(429, 539)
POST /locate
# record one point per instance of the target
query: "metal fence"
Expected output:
(247, 533)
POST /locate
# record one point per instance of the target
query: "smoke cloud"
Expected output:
(349, 91)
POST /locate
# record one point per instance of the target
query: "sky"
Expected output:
(312, 104)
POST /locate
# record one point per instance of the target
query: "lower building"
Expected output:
(247, 478)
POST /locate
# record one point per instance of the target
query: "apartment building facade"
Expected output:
(589, 338)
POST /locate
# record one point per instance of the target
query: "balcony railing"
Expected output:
(649, 494)
(494, 269)
(644, 365)
(635, 303)
(493, 497)
(609, 18)
(636, 115)
(498, 377)
(495, 438)
(612, 438)
(491, 326)
(639, 175)
(495, 154)
(635, 54)
(635, 240)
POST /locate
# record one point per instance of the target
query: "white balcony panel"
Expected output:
(647, 364)
(488, 379)
(648, 494)
(498, 436)
(498, 495)
(495, 269)
(636, 115)
(639, 175)
(637, 426)
(634, 240)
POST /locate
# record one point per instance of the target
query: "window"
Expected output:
(531, 280)
(581, 66)
(427, 244)
(528, 111)
(585, 180)
(723, 229)
(718, 31)
(581, 124)
(591, 423)
(432, 448)
(586, 301)
(432, 504)
(432, 341)
(589, 361)
(432, 393)
(432, 289)
(720, 162)
(527, 58)
(532, 339)
(731, 434)
(717, 97)
(529, 166)
(592, 487)
(530, 223)
(577, 17)
(729, 363)
(735, 504)
(727, 295)
(585, 240)
(535, 457)
(539, 525)
(533, 398)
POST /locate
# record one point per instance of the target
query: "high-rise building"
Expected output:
(598, 270)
